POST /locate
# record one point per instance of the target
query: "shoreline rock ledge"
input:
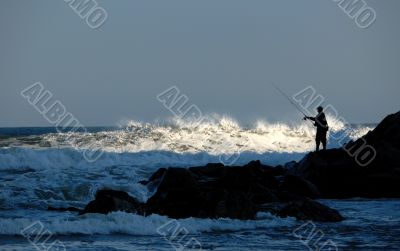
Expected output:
(216, 191)
(337, 175)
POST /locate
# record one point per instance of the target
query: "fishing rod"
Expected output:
(290, 100)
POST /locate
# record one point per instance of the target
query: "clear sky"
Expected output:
(222, 54)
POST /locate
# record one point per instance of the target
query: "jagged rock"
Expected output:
(107, 201)
(155, 177)
(307, 209)
(213, 191)
(299, 186)
(177, 194)
(337, 174)
(63, 209)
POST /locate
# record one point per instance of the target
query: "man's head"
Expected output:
(320, 109)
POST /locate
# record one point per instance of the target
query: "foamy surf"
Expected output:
(126, 223)
(221, 135)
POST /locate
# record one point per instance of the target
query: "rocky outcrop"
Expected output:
(217, 191)
(338, 173)
(300, 186)
(107, 201)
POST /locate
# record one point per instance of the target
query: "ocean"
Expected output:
(42, 167)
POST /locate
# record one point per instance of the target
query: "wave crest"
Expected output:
(217, 135)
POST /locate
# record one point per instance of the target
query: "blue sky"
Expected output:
(221, 54)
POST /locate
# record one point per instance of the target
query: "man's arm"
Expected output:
(310, 118)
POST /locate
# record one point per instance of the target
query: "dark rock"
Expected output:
(235, 206)
(177, 195)
(213, 191)
(259, 194)
(299, 186)
(107, 201)
(63, 209)
(196, 192)
(156, 176)
(303, 209)
(387, 132)
(337, 174)
(307, 209)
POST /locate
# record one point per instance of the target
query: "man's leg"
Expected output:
(317, 141)
(323, 141)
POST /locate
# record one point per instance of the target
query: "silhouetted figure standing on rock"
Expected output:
(322, 127)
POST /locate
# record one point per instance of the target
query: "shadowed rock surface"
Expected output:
(110, 200)
(337, 174)
(216, 191)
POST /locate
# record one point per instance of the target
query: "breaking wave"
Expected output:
(222, 135)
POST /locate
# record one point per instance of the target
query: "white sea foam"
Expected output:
(125, 223)
(221, 135)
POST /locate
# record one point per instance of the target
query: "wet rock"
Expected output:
(337, 174)
(307, 209)
(217, 191)
(63, 209)
(299, 186)
(107, 201)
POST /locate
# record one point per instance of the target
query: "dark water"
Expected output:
(369, 225)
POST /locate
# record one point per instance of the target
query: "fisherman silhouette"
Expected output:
(322, 127)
